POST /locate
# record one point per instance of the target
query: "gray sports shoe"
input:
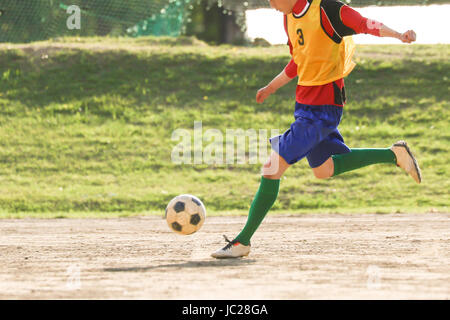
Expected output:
(406, 160)
(233, 249)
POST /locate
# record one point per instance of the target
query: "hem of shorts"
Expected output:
(281, 156)
(327, 159)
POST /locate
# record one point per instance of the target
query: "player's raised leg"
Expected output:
(265, 197)
(399, 154)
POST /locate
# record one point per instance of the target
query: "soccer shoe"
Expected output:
(406, 160)
(233, 249)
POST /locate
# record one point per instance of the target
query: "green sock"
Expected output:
(359, 158)
(263, 201)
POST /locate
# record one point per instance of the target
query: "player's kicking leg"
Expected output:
(399, 154)
(267, 193)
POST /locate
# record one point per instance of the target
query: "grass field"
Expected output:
(86, 125)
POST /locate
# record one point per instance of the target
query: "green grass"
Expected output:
(86, 125)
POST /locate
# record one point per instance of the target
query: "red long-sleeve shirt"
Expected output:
(336, 17)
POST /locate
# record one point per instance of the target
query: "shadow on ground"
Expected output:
(188, 264)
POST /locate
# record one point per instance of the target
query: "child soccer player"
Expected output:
(322, 53)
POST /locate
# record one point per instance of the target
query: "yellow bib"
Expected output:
(320, 60)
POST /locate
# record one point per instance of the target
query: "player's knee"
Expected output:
(322, 174)
(267, 164)
(269, 171)
(324, 171)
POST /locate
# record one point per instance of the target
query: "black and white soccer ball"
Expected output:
(185, 214)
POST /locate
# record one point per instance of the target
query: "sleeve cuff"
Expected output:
(291, 69)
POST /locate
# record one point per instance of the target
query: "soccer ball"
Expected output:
(185, 214)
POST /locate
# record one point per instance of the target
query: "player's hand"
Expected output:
(262, 94)
(408, 37)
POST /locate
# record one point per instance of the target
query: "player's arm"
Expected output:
(347, 21)
(279, 81)
(406, 37)
(283, 78)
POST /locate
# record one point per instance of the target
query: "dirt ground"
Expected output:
(379, 256)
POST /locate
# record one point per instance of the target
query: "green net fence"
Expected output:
(32, 20)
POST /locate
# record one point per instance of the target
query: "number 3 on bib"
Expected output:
(301, 38)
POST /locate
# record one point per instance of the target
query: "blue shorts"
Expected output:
(313, 135)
